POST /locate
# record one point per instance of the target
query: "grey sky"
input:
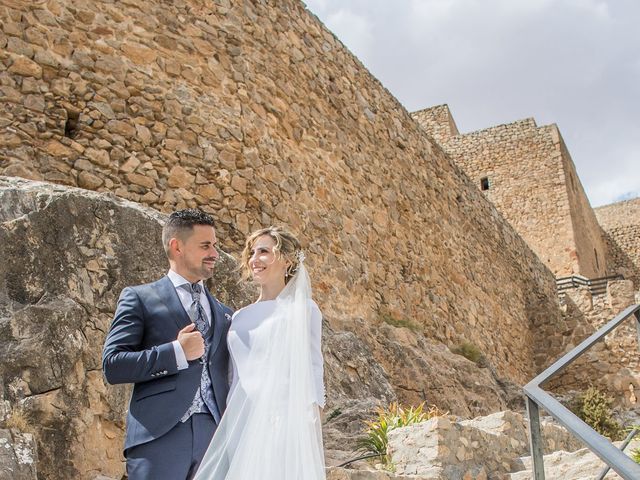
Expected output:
(575, 63)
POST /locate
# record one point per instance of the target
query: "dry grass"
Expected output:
(18, 420)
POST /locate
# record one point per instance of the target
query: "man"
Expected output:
(168, 338)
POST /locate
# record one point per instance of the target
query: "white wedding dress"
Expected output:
(271, 428)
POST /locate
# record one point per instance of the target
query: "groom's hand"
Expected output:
(191, 342)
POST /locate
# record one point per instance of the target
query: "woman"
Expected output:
(271, 427)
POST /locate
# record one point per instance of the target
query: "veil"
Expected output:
(271, 428)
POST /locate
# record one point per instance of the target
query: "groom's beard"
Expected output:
(207, 267)
(203, 270)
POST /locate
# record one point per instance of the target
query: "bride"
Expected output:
(271, 428)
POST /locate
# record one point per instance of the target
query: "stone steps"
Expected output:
(335, 473)
(579, 465)
(494, 447)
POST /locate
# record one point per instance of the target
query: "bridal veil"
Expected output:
(271, 428)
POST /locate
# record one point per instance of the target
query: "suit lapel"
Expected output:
(169, 297)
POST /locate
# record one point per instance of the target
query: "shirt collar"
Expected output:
(178, 280)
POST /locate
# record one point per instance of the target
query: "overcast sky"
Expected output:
(575, 63)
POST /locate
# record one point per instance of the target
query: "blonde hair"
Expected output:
(287, 247)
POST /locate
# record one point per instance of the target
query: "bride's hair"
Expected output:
(287, 247)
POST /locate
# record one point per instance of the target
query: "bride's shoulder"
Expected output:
(251, 308)
(240, 312)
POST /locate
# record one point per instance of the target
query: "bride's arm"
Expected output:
(316, 354)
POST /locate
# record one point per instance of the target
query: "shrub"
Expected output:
(334, 413)
(469, 351)
(635, 453)
(594, 408)
(387, 317)
(18, 420)
(376, 440)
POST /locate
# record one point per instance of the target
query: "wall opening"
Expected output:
(71, 125)
(484, 183)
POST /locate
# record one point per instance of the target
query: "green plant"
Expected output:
(635, 453)
(471, 352)
(376, 439)
(334, 413)
(387, 317)
(594, 408)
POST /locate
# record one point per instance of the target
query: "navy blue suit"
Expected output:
(138, 350)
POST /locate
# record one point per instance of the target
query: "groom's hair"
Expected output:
(180, 225)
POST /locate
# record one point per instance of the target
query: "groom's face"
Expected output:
(196, 253)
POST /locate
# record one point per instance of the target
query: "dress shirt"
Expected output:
(186, 300)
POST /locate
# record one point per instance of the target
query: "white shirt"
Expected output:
(186, 300)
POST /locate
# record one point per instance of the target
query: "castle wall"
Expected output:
(590, 244)
(438, 122)
(533, 183)
(254, 112)
(613, 365)
(621, 224)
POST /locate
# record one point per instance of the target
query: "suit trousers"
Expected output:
(174, 456)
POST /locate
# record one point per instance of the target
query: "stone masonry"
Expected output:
(621, 224)
(526, 171)
(255, 112)
(532, 181)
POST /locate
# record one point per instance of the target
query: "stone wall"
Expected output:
(612, 365)
(621, 224)
(255, 112)
(530, 178)
(438, 122)
(588, 236)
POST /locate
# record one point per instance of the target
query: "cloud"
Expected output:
(575, 63)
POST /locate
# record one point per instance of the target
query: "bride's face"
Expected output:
(266, 267)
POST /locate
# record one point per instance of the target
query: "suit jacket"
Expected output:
(138, 350)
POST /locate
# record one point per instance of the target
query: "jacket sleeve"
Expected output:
(124, 360)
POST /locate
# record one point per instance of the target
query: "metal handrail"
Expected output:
(537, 398)
(624, 445)
(596, 285)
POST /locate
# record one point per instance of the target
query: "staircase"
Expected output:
(444, 448)
(579, 465)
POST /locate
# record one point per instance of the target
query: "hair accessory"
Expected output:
(300, 256)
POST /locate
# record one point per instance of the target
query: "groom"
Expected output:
(168, 338)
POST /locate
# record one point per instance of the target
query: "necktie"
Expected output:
(196, 312)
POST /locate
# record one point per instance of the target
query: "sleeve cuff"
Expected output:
(181, 359)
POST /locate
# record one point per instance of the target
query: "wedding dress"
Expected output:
(271, 428)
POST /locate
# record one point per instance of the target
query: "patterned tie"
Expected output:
(196, 312)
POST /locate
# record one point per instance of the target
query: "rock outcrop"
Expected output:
(18, 457)
(67, 253)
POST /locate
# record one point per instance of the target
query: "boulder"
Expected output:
(445, 448)
(18, 456)
(67, 254)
